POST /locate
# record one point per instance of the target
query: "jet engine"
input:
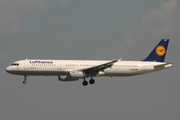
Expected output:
(77, 74)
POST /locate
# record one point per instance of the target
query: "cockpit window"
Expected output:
(15, 64)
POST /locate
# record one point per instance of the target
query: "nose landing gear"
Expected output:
(24, 82)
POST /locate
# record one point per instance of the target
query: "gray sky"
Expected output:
(89, 29)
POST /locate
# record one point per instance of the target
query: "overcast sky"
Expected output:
(89, 29)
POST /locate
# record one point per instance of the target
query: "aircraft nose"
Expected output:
(8, 69)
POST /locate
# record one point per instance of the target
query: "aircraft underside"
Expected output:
(64, 76)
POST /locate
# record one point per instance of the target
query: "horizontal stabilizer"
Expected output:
(165, 65)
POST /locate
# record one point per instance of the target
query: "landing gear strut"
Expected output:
(24, 82)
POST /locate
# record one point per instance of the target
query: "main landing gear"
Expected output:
(25, 81)
(85, 83)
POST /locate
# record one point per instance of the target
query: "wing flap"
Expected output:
(101, 66)
(95, 69)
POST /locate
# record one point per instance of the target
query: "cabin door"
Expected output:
(26, 65)
(59, 65)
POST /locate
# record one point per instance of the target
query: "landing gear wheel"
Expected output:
(84, 83)
(91, 81)
(24, 82)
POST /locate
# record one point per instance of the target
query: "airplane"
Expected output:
(72, 70)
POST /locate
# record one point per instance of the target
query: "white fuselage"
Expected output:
(62, 67)
(71, 70)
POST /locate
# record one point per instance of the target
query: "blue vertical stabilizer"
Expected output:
(159, 52)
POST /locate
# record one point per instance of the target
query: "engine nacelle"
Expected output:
(77, 74)
(66, 78)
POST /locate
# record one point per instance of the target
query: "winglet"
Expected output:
(114, 60)
(119, 59)
(159, 52)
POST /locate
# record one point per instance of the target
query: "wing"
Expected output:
(95, 69)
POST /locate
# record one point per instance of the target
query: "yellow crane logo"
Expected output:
(160, 50)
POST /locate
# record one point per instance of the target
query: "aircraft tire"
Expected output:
(24, 82)
(91, 81)
(84, 83)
